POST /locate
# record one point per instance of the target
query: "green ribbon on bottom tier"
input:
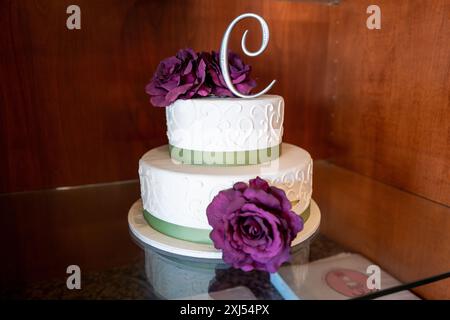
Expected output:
(225, 158)
(187, 233)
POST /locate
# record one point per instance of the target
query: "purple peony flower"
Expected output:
(253, 225)
(190, 74)
(179, 77)
(239, 74)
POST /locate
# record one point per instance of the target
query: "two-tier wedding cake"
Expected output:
(225, 178)
(227, 140)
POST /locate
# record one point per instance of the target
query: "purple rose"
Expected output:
(239, 74)
(253, 225)
(179, 77)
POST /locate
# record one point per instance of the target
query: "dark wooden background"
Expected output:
(74, 111)
(73, 108)
(391, 112)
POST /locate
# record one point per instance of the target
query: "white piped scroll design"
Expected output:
(212, 125)
(184, 201)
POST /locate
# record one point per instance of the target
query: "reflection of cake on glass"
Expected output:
(172, 278)
(225, 178)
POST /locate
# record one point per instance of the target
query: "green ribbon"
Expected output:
(225, 158)
(176, 231)
(190, 234)
(306, 213)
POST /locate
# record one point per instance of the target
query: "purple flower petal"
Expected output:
(173, 94)
(253, 225)
(282, 198)
(158, 101)
(261, 197)
(224, 203)
(170, 85)
(239, 78)
(188, 68)
(240, 186)
(259, 183)
(151, 89)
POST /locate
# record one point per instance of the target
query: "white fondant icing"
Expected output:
(146, 235)
(179, 193)
(226, 124)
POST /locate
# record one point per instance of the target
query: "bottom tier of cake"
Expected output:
(146, 236)
(176, 195)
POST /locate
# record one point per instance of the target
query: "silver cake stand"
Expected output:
(145, 233)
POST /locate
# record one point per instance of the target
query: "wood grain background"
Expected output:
(74, 110)
(389, 94)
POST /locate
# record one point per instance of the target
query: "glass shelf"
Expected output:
(46, 231)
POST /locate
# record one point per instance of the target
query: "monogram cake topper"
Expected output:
(224, 52)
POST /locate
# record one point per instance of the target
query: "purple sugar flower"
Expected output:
(239, 74)
(253, 225)
(189, 75)
(179, 77)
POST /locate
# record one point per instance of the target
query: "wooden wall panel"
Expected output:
(405, 234)
(72, 104)
(389, 94)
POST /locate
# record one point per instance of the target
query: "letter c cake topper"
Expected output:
(224, 52)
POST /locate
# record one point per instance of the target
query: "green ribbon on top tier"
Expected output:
(225, 158)
(187, 233)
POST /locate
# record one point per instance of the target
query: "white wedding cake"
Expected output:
(226, 179)
(228, 140)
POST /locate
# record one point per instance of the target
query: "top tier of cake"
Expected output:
(226, 131)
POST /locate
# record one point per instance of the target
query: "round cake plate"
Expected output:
(144, 232)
